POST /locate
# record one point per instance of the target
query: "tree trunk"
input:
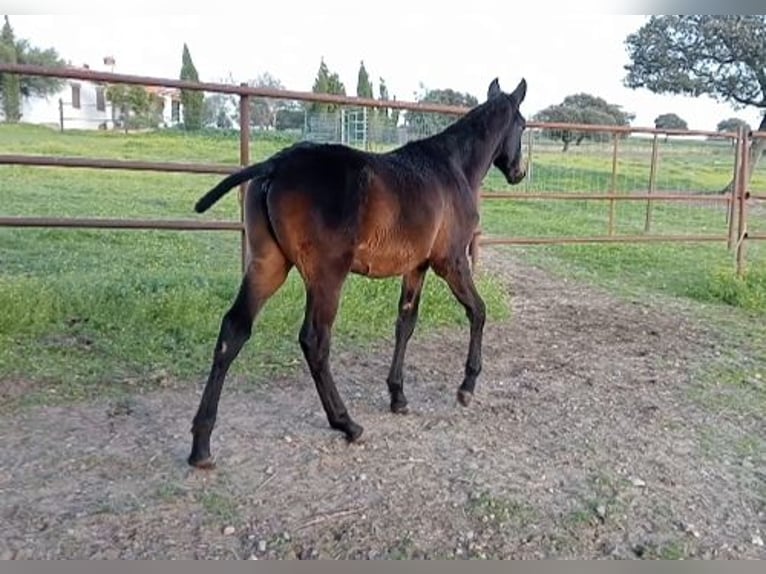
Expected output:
(566, 137)
(757, 149)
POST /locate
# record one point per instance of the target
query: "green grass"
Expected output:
(89, 307)
(220, 508)
(91, 312)
(499, 511)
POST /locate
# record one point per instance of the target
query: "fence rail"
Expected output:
(735, 201)
(102, 223)
(50, 161)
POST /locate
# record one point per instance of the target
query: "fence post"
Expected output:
(743, 194)
(244, 159)
(613, 187)
(731, 212)
(652, 183)
(61, 115)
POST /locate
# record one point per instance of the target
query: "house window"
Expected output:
(76, 96)
(175, 111)
(100, 99)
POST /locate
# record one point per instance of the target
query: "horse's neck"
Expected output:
(477, 163)
(475, 145)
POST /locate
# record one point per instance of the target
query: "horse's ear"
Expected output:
(520, 92)
(494, 89)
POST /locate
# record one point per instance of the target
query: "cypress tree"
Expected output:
(10, 84)
(192, 100)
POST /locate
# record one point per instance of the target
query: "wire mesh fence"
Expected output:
(623, 183)
(374, 129)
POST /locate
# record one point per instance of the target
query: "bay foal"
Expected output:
(331, 210)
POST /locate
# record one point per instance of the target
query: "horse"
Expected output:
(330, 210)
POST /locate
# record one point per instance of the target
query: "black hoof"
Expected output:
(399, 407)
(205, 463)
(353, 431)
(464, 397)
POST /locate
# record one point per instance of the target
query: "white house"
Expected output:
(83, 105)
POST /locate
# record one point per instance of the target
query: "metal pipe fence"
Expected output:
(624, 165)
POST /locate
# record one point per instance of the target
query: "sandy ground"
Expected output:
(589, 437)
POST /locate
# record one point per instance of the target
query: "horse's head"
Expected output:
(508, 155)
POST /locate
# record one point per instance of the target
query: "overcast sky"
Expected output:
(462, 47)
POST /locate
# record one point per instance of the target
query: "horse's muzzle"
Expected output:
(516, 176)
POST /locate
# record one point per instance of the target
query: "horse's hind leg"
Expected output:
(457, 275)
(265, 273)
(322, 298)
(409, 301)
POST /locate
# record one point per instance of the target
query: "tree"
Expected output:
(219, 109)
(335, 86)
(383, 97)
(290, 116)
(263, 111)
(723, 57)
(364, 90)
(192, 101)
(732, 125)
(321, 83)
(363, 84)
(13, 88)
(390, 114)
(427, 123)
(138, 107)
(326, 83)
(670, 121)
(582, 108)
(382, 90)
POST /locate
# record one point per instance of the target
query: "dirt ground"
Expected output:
(589, 437)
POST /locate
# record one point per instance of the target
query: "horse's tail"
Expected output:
(262, 170)
(258, 170)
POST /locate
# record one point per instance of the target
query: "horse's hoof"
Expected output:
(353, 432)
(206, 463)
(400, 408)
(464, 397)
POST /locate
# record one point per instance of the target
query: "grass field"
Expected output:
(144, 307)
(83, 310)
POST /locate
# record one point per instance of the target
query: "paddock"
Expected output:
(614, 417)
(594, 433)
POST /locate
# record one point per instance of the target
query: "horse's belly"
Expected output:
(386, 258)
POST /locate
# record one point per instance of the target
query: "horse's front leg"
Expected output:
(457, 274)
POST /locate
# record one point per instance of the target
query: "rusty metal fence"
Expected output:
(729, 154)
(615, 145)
